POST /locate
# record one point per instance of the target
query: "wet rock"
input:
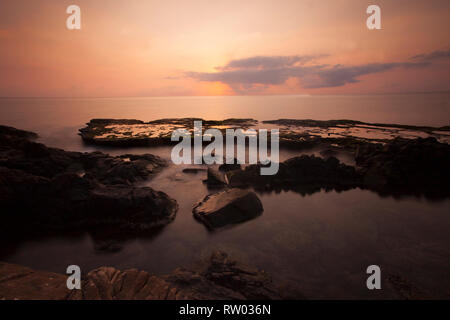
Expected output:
(252, 283)
(305, 174)
(130, 132)
(228, 207)
(55, 189)
(349, 134)
(10, 131)
(419, 166)
(218, 278)
(22, 283)
(132, 207)
(400, 167)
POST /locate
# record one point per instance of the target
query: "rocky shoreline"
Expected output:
(400, 167)
(52, 190)
(219, 278)
(347, 134)
(131, 132)
(56, 189)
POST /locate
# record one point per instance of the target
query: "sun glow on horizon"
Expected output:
(150, 48)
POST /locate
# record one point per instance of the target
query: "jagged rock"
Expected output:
(228, 207)
(305, 174)
(10, 131)
(407, 166)
(56, 189)
(130, 132)
(219, 278)
(22, 283)
(399, 167)
(349, 134)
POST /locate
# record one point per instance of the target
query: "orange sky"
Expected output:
(165, 48)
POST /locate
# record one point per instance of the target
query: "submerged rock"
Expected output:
(55, 189)
(218, 278)
(228, 207)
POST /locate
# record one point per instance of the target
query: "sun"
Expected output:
(218, 89)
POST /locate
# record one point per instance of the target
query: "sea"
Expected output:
(320, 244)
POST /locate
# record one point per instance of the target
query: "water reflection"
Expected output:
(320, 241)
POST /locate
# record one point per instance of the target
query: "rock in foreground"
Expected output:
(228, 207)
(220, 278)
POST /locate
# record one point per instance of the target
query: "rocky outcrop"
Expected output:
(349, 134)
(22, 283)
(298, 134)
(304, 174)
(55, 189)
(419, 166)
(400, 167)
(131, 132)
(218, 278)
(228, 207)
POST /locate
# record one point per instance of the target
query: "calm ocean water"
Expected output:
(321, 243)
(415, 109)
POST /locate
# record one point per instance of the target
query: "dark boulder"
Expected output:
(54, 189)
(419, 166)
(228, 207)
(305, 174)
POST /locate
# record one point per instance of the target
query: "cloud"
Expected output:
(338, 75)
(438, 55)
(259, 72)
(268, 62)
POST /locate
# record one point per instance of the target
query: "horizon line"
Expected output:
(237, 95)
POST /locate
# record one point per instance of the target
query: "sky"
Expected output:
(131, 48)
